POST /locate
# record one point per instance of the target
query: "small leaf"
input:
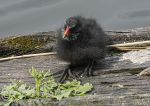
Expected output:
(62, 94)
(83, 89)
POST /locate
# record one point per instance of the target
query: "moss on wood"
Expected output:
(26, 44)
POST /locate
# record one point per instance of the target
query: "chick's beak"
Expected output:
(67, 32)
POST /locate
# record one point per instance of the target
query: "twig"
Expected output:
(141, 43)
(131, 46)
(26, 56)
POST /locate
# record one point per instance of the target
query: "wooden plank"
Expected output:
(116, 81)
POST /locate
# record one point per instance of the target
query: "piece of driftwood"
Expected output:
(120, 36)
(26, 56)
(45, 41)
(131, 46)
(130, 35)
(115, 81)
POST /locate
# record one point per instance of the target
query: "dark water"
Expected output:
(27, 16)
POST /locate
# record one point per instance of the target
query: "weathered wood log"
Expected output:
(116, 81)
(121, 36)
(130, 35)
(45, 41)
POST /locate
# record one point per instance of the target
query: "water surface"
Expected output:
(27, 16)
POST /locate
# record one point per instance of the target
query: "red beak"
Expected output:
(67, 32)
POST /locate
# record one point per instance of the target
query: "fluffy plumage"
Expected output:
(85, 43)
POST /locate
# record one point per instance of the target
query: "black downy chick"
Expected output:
(82, 42)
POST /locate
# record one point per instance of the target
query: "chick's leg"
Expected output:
(68, 72)
(88, 71)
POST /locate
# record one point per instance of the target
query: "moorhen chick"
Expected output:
(81, 43)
